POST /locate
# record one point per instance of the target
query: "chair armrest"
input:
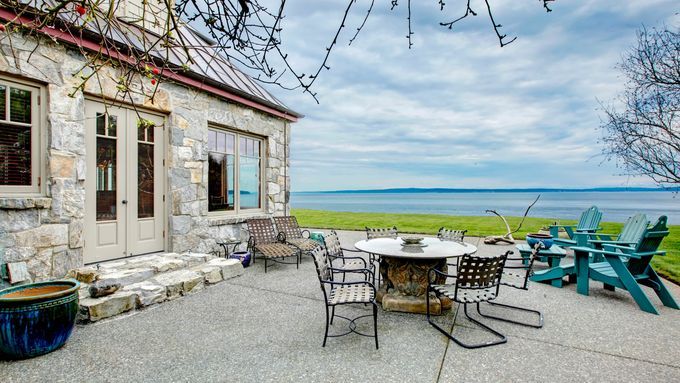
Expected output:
(590, 230)
(336, 283)
(281, 237)
(608, 252)
(563, 226)
(610, 242)
(305, 231)
(435, 271)
(363, 260)
(351, 250)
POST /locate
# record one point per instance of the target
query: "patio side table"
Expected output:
(230, 242)
(553, 256)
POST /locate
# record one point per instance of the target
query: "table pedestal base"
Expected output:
(405, 285)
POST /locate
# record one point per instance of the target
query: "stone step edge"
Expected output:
(159, 288)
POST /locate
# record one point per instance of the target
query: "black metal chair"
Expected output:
(445, 234)
(478, 280)
(516, 275)
(343, 293)
(348, 264)
(380, 232)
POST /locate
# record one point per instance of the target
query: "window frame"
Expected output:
(38, 122)
(237, 173)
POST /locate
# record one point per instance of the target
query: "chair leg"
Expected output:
(332, 314)
(265, 265)
(325, 335)
(538, 313)
(502, 337)
(631, 285)
(661, 290)
(375, 324)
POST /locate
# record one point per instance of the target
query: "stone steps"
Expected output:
(112, 288)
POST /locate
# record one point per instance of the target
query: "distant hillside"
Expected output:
(530, 190)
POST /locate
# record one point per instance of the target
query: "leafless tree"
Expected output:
(643, 136)
(246, 32)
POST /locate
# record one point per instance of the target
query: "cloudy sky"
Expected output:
(457, 110)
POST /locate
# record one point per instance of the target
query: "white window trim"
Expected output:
(237, 194)
(38, 123)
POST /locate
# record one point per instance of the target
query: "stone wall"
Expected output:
(47, 232)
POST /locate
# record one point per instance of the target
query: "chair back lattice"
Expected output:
(650, 242)
(634, 228)
(332, 243)
(322, 264)
(262, 230)
(480, 272)
(381, 232)
(451, 235)
(590, 219)
(289, 226)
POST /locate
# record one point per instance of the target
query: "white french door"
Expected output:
(124, 187)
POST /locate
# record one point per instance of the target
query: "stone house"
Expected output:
(84, 179)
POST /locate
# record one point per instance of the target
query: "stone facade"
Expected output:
(46, 232)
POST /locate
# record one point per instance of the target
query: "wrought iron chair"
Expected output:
(517, 276)
(293, 235)
(349, 264)
(445, 234)
(343, 293)
(478, 280)
(264, 240)
(380, 232)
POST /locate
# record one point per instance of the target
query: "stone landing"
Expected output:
(112, 288)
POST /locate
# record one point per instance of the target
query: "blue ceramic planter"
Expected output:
(37, 318)
(534, 238)
(243, 256)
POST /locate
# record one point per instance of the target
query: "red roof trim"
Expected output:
(66, 37)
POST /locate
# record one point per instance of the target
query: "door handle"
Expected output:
(124, 202)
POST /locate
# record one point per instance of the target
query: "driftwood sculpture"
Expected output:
(507, 238)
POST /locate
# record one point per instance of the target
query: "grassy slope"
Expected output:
(669, 265)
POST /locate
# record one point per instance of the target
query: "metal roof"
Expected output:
(209, 65)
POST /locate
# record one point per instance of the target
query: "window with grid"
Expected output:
(19, 138)
(234, 171)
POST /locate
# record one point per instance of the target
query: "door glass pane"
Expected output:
(15, 155)
(145, 180)
(3, 94)
(20, 105)
(106, 179)
(220, 182)
(101, 124)
(113, 125)
(249, 182)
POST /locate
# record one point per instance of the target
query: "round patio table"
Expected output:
(404, 271)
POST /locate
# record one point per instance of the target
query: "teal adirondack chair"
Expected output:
(629, 267)
(630, 235)
(588, 223)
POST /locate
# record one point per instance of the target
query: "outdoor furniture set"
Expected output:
(621, 260)
(278, 246)
(415, 276)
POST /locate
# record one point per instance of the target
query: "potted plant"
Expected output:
(37, 318)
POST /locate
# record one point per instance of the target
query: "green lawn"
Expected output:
(669, 265)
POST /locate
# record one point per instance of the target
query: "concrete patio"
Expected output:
(269, 327)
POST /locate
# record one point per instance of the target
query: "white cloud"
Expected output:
(457, 110)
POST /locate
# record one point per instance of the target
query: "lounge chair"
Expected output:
(265, 241)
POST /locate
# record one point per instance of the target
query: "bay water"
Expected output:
(616, 206)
